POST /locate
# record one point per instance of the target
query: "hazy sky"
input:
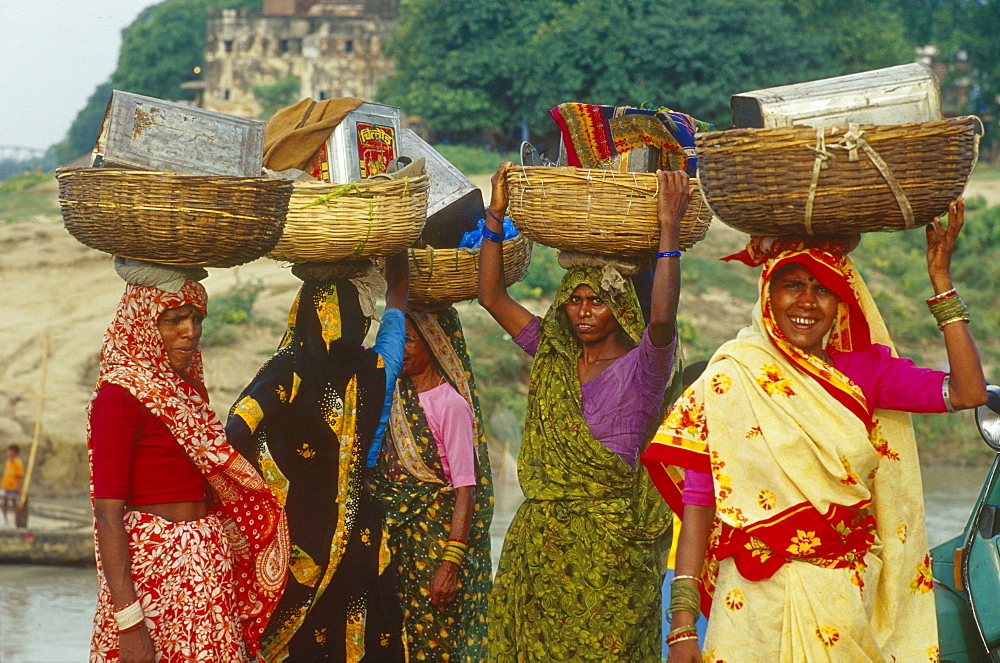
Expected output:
(53, 53)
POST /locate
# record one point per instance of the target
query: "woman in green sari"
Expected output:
(434, 482)
(580, 572)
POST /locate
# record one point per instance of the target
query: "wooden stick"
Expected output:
(38, 426)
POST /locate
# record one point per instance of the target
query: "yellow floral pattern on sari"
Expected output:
(773, 383)
(828, 635)
(721, 383)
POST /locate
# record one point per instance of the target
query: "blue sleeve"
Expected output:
(389, 345)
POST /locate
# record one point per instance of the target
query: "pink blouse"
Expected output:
(450, 419)
(889, 383)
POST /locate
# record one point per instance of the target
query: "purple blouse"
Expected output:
(889, 383)
(622, 404)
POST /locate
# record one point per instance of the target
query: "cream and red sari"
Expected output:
(819, 548)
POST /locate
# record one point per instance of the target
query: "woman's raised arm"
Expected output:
(966, 385)
(672, 201)
(492, 290)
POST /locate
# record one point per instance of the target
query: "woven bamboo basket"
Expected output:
(605, 212)
(834, 180)
(440, 276)
(331, 222)
(183, 220)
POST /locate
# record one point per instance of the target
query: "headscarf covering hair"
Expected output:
(306, 421)
(361, 273)
(419, 501)
(803, 469)
(133, 356)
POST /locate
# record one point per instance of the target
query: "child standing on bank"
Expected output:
(10, 483)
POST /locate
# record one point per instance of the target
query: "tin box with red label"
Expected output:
(363, 144)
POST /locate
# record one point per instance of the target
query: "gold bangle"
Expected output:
(957, 318)
(676, 578)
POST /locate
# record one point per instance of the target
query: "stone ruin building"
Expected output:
(335, 48)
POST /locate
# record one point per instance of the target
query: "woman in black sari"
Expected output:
(311, 422)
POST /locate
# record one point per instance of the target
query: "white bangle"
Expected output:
(129, 616)
(946, 393)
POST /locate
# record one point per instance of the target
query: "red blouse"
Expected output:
(135, 456)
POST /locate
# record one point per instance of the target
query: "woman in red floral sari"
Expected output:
(192, 548)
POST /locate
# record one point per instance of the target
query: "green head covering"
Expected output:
(616, 291)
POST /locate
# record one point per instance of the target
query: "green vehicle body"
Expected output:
(968, 606)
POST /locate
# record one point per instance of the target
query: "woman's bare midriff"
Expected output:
(175, 512)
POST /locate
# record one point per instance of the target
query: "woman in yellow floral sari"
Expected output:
(811, 545)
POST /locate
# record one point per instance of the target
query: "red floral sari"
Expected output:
(207, 587)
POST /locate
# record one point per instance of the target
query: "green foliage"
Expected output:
(159, 51)
(543, 277)
(26, 196)
(502, 372)
(474, 160)
(228, 311)
(272, 98)
(479, 65)
(22, 182)
(859, 35)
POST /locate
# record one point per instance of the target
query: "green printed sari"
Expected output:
(580, 573)
(419, 502)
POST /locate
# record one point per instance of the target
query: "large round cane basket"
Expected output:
(835, 180)
(606, 212)
(331, 222)
(440, 276)
(173, 219)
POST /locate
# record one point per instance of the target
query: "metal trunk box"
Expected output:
(454, 203)
(363, 144)
(151, 134)
(894, 95)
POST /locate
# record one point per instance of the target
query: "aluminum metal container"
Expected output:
(364, 143)
(894, 95)
(454, 203)
(151, 134)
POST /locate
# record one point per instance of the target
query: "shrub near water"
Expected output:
(226, 312)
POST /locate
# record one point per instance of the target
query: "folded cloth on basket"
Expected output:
(294, 134)
(594, 135)
(167, 278)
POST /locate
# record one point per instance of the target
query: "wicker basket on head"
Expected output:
(331, 222)
(172, 219)
(836, 180)
(605, 212)
(443, 276)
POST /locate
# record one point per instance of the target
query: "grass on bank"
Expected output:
(28, 196)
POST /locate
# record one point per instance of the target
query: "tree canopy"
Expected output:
(476, 65)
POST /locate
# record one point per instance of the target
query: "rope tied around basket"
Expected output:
(853, 140)
(822, 156)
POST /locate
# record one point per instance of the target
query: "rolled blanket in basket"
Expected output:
(594, 135)
(294, 134)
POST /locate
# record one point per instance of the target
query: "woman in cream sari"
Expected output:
(802, 512)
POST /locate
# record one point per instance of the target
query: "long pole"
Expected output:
(22, 515)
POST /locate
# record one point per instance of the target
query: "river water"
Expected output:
(46, 612)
